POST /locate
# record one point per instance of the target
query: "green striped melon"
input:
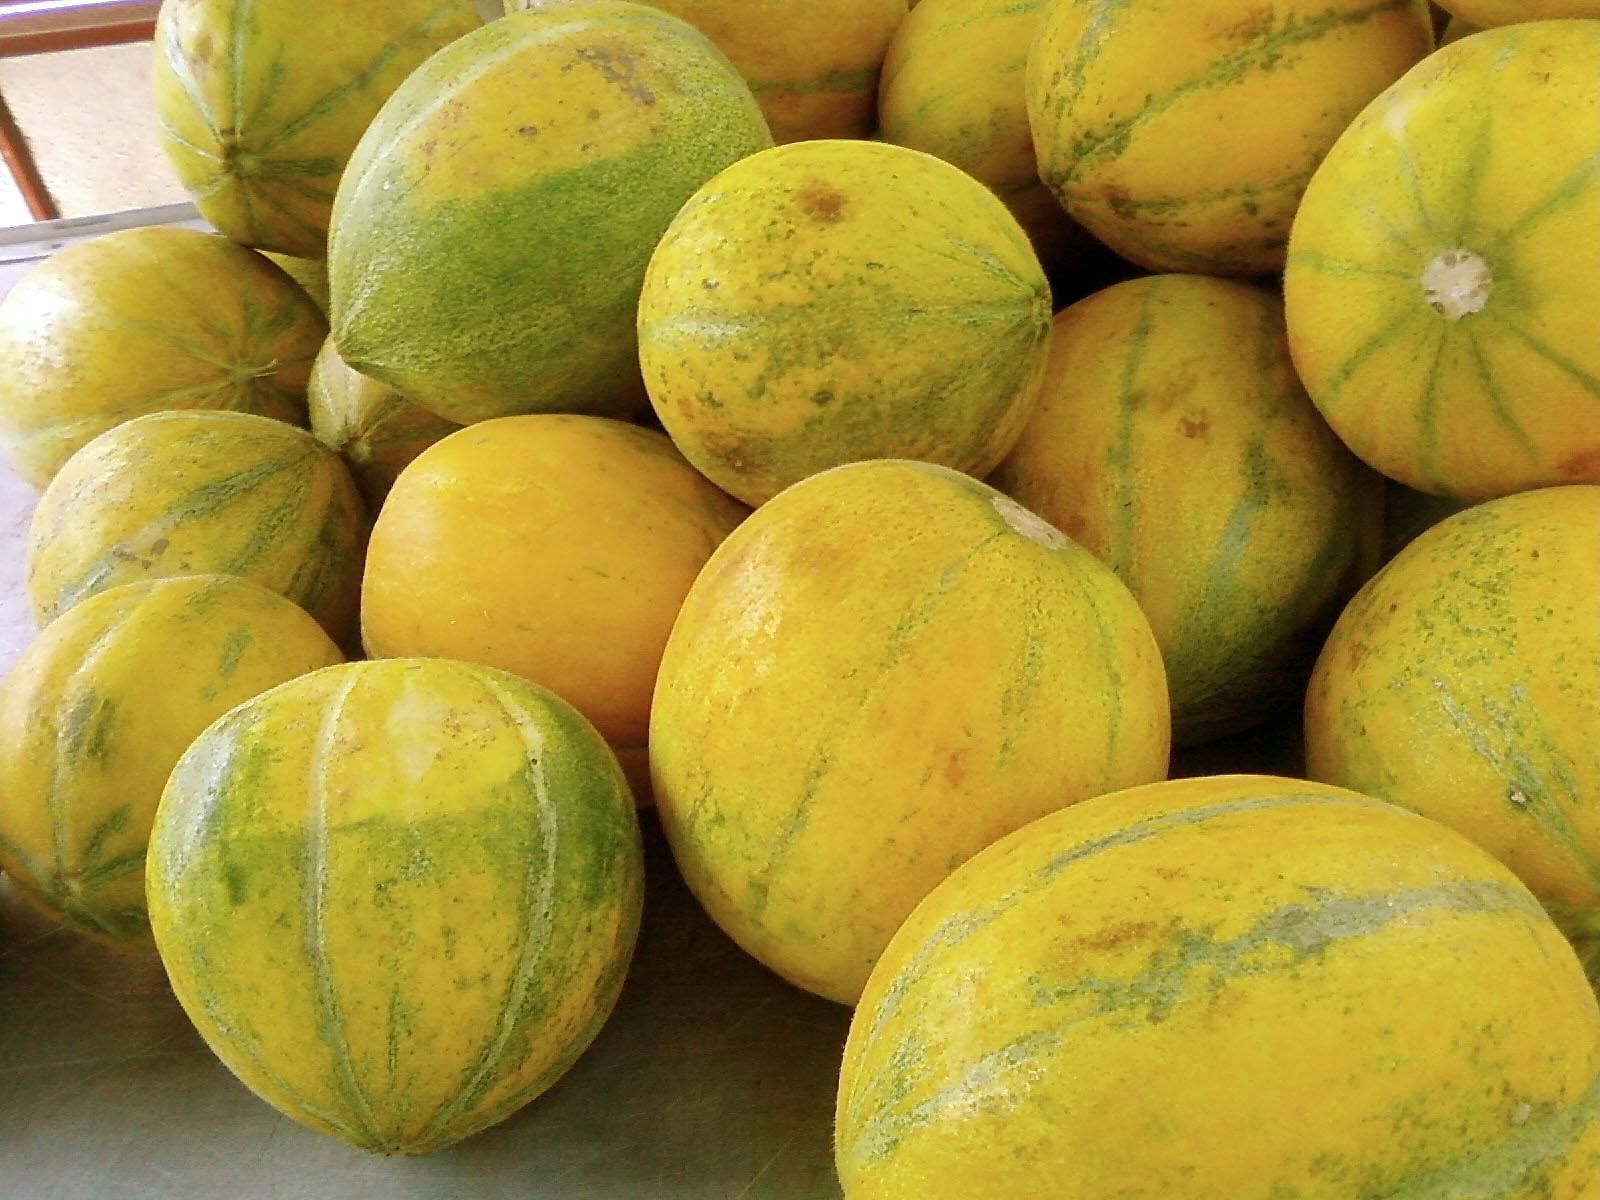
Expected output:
(1182, 134)
(376, 429)
(197, 494)
(397, 898)
(260, 104)
(1173, 440)
(1444, 270)
(491, 233)
(146, 320)
(1232, 988)
(1461, 682)
(96, 711)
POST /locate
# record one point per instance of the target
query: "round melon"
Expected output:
(970, 107)
(260, 105)
(1462, 682)
(832, 301)
(1483, 13)
(146, 320)
(1232, 988)
(397, 899)
(96, 711)
(1444, 272)
(555, 546)
(813, 67)
(1182, 135)
(883, 670)
(376, 429)
(1174, 442)
(492, 230)
(198, 494)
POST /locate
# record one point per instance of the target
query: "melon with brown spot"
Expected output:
(1182, 134)
(97, 710)
(1444, 272)
(1462, 682)
(1232, 988)
(146, 320)
(918, 665)
(397, 898)
(492, 230)
(832, 301)
(260, 105)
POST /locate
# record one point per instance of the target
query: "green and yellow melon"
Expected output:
(397, 898)
(832, 301)
(1182, 135)
(146, 320)
(201, 493)
(1461, 683)
(884, 669)
(953, 87)
(1444, 272)
(376, 429)
(260, 105)
(1174, 442)
(1233, 988)
(96, 711)
(492, 230)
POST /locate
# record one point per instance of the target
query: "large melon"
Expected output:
(832, 301)
(260, 104)
(397, 899)
(197, 494)
(883, 670)
(1173, 441)
(146, 320)
(813, 67)
(1236, 988)
(1464, 682)
(491, 233)
(1182, 134)
(96, 711)
(1443, 283)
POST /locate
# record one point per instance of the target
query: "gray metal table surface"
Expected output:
(713, 1079)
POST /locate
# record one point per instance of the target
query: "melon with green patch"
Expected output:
(96, 711)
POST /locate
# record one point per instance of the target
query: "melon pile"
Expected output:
(894, 442)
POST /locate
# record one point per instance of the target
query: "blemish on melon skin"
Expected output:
(822, 203)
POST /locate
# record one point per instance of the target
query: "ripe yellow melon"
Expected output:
(884, 669)
(1484, 13)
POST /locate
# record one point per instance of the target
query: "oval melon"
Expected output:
(96, 711)
(491, 232)
(1182, 134)
(260, 105)
(832, 301)
(146, 320)
(1174, 442)
(1444, 273)
(199, 494)
(1462, 682)
(397, 899)
(884, 669)
(1236, 988)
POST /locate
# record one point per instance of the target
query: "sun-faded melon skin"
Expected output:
(201, 493)
(1482, 156)
(96, 711)
(1230, 988)
(831, 301)
(491, 232)
(146, 320)
(1182, 135)
(261, 104)
(1462, 682)
(397, 898)
(1173, 441)
(375, 429)
(883, 670)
